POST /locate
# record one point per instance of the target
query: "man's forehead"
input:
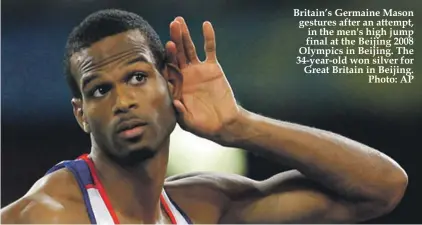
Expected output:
(130, 42)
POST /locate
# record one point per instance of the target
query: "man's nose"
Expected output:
(125, 100)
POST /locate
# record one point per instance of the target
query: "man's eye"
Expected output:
(137, 78)
(101, 91)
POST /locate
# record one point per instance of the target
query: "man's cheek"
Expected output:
(97, 124)
(160, 95)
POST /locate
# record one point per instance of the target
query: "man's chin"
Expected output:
(136, 157)
(133, 157)
(133, 153)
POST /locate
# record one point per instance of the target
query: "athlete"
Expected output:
(129, 91)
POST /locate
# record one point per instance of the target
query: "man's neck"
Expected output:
(135, 191)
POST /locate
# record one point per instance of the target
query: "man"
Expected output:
(128, 96)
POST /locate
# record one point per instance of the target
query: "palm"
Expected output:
(207, 101)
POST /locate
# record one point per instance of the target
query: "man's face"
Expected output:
(125, 100)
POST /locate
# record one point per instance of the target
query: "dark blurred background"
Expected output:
(257, 47)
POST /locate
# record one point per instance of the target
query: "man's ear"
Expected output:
(79, 115)
(174, 80)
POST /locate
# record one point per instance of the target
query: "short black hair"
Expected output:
(102, 24)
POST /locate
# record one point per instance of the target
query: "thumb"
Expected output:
(182, 113)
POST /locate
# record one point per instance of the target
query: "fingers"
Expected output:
(171, 52)
(186, 52)
(176, 37)
(209, 41)
(188, 45)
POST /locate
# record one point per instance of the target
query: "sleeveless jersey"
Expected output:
(95, 198)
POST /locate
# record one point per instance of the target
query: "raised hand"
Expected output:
(207, 103)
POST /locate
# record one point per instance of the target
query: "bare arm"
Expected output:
(54, 198)
(348, 181)
(39, 208)
(339, 180)
(288, 197)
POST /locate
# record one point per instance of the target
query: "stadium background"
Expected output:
(257, 47)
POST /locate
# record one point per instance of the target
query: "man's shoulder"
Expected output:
(60, 184)
(197, 182)
(54, 198)
(223, 182)
(200, 192)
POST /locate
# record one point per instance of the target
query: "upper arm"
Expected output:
(34, 209)
(10, 213)
(289, 197)
(52, 199)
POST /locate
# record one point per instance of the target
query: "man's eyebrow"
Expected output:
(88, 78)
(139, 58)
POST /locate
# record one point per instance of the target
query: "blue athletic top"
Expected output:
(96, 200)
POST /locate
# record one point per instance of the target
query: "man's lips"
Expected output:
(130, 129)
(132, 133)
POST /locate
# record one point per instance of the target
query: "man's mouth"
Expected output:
(130, 129)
